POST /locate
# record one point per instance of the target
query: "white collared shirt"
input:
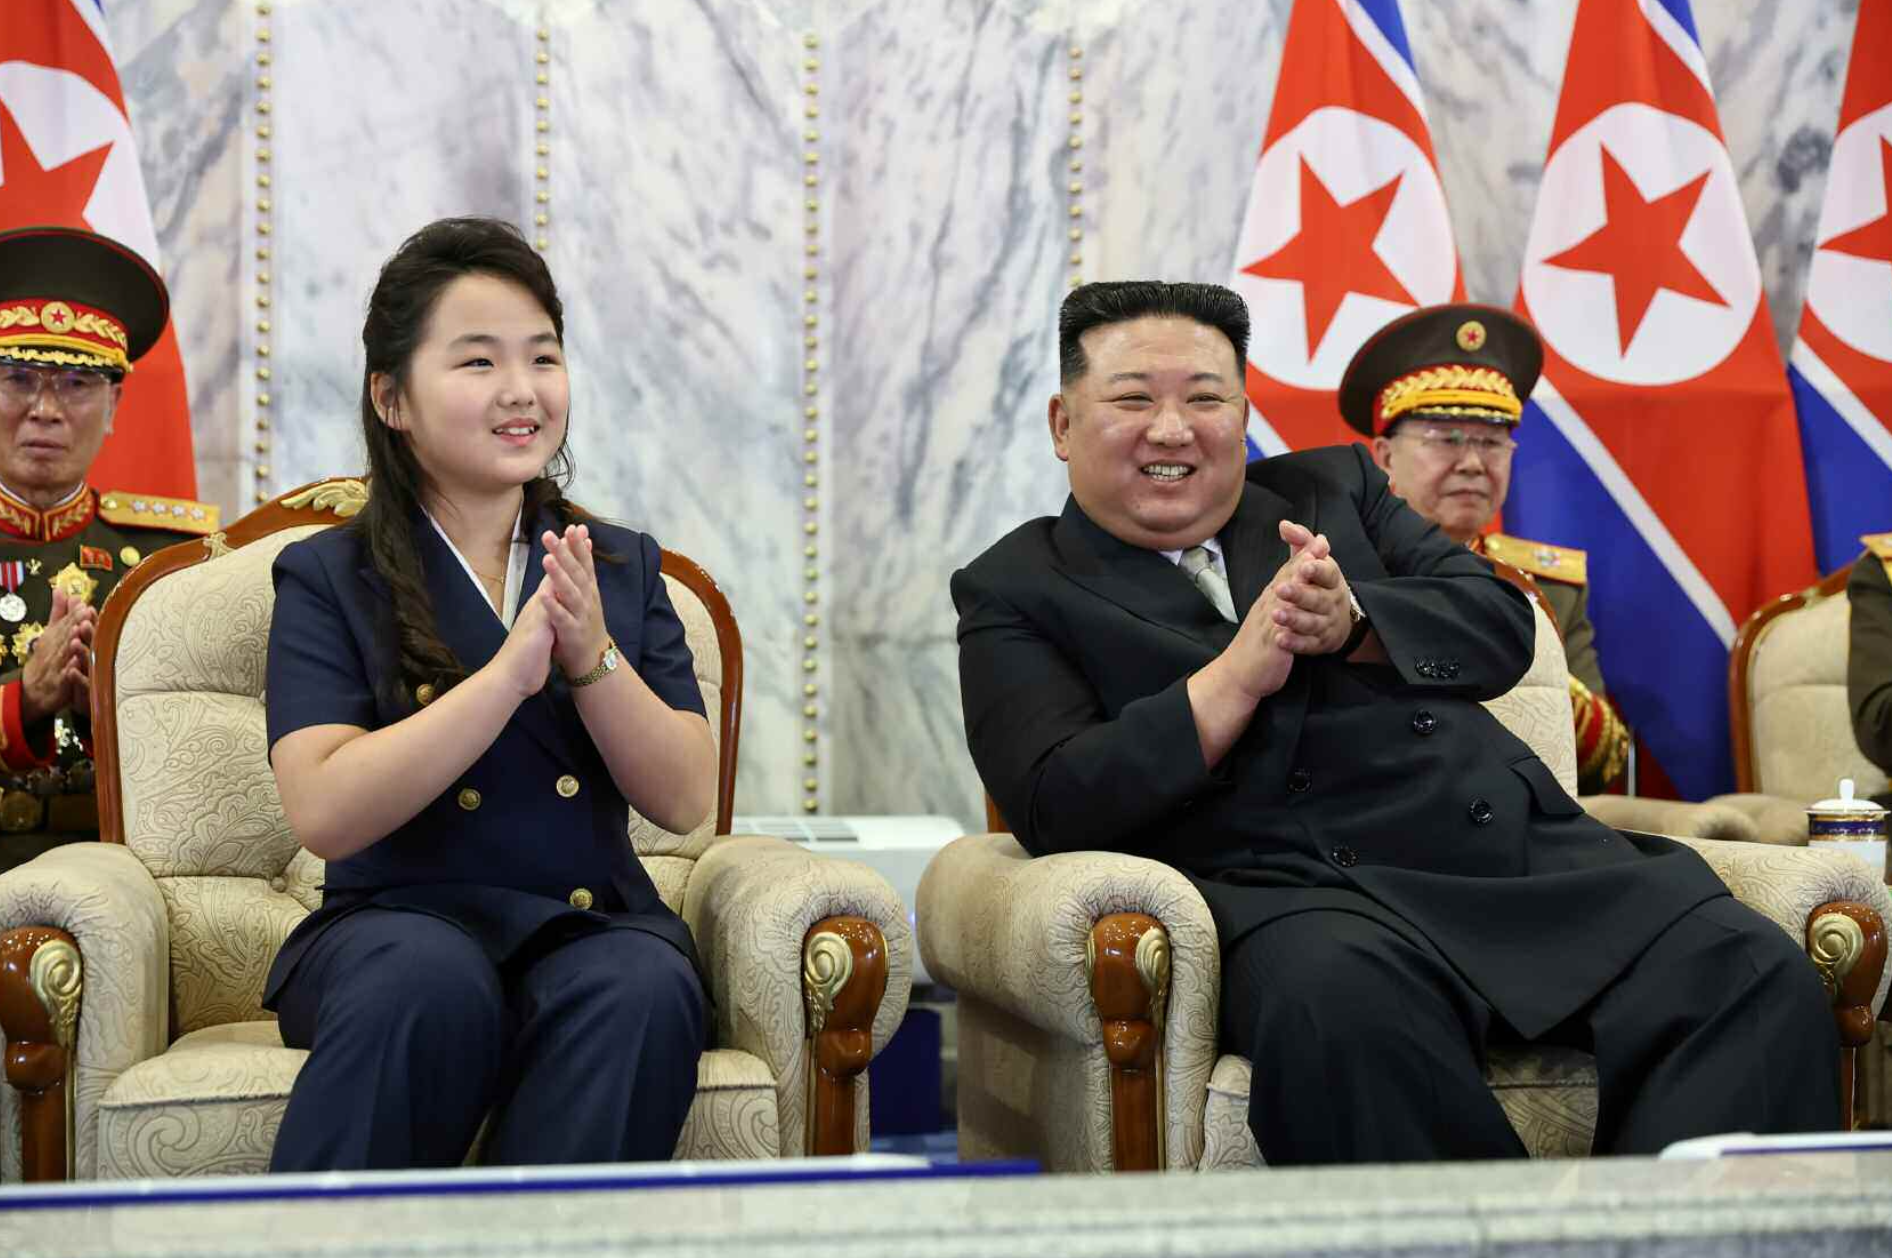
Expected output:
(515, 568)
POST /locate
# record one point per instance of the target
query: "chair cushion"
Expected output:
(211, 1104)
(1549, 1094)
(1537, 709)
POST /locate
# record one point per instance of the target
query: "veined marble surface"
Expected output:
(676, 228)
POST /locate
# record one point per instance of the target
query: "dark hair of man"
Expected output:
(403, 301)
(1119, 301)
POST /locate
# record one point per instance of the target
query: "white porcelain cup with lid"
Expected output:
(1850, 825)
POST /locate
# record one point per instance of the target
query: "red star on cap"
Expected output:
(1333, 255)
(1639, 246)
(31, 194)
(1871, 240)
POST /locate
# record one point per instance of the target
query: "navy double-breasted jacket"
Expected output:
(1387, 791)
(509, 846)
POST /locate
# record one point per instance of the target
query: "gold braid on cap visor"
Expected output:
(38, 330)
(1457, 390)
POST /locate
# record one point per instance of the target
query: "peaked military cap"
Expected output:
(1444, 362)
(73, 298)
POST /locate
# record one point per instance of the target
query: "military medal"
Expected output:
(24, 639)
(75, 583)
(12, 606)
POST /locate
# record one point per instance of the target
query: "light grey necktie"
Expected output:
(1200, 565)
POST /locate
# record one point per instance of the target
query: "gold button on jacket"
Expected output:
(580, 899)
(469, 799)
(424, 693)
(567, 786)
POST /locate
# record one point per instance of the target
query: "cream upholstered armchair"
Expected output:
(1792, 729)
(1089, 982)
(131, 969)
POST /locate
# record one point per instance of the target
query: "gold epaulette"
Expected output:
(1880, 544)
(147, 511)
(1541, 559)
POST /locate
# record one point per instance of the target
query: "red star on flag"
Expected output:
(31, 194)
(1640, 246)
(1871, 240)
(1332, 255)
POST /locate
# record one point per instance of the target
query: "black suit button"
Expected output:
(1451, 669)
(1423, 722)
(1423, 668)
(1480, 812)
(1300, 780)
(1345, 858)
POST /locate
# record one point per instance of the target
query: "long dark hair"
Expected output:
(403, 300)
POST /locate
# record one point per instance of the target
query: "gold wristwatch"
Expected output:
(607, 663)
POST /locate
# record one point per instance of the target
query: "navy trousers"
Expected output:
(581, 1048)
(1367, 1046)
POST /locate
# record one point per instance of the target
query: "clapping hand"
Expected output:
(575, 610)
(58, 668)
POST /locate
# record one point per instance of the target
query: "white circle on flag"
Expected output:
(1678, 337)
(1853, 295)
(1353, 154)
(63, 117)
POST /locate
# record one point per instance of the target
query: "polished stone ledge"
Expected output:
(1799, 1205)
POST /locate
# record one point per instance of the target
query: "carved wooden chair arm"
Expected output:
(40, 982)
(810, 964)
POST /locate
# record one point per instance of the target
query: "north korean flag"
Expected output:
(1841, 365)
(1662, 437)
(67, 158)
(1346, 226)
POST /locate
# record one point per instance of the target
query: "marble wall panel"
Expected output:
(679, 246)
(384, 117)
(184, 82)
(949, 242)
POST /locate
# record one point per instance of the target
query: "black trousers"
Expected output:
(1368, 1046)
(583, 1048)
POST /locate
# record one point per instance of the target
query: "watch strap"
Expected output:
(606, 663)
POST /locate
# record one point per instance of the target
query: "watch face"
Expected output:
(610, 660)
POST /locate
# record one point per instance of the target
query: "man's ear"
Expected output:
(1383, 455)
(1059, 416)
(111, 411)
(386, 395)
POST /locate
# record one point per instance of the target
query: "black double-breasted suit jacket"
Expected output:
(1387, 791)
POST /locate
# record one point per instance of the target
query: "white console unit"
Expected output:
(897, 848)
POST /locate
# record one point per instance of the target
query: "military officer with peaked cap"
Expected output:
(77, 310)
(1440, 392)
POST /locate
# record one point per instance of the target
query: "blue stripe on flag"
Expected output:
(1664, 665)
(1848, 485)
(1254, 451)
(1385, 15)
(1679, 10)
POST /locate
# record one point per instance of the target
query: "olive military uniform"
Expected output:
(1869, 656)
(85, 547)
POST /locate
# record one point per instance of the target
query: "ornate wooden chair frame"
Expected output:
(845, 958)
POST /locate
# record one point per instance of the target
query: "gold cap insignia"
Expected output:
(1471, 336)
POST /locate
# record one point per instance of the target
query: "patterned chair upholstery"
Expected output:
(1792, 729)
(160, 937)
(1088, 986)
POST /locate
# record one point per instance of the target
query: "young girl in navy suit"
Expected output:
(468, 687)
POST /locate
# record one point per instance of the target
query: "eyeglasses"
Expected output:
(20, 386)
(1492, 447)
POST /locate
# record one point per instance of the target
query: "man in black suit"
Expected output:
(1271, 682)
